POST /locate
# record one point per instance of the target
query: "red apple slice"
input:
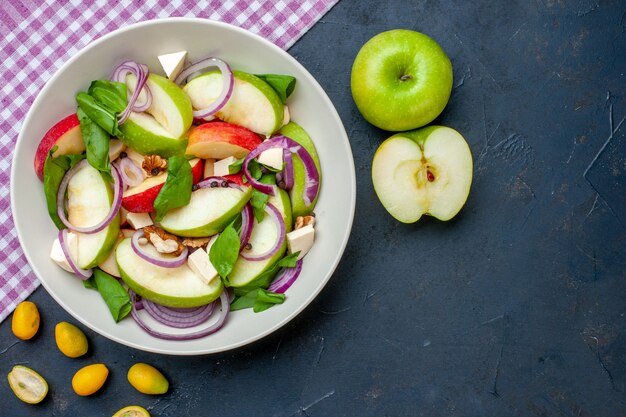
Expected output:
(219, 140)
(66, 136)
(140, 199)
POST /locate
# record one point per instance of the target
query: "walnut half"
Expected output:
(196, 242)
(163, 241)
(302, 221)
(154, 165)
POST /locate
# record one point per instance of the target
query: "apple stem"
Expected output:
(406, 77)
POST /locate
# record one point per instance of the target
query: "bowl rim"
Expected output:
(346, 143)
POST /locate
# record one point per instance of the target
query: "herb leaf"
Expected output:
(235, 167)
(113, 293)
(96, 143)
(176, 191)
(111, 94)
(98, 113)
(265, 279)
(282, 84)
(258, 200)
(259, 299)
(54, 170)
(225, 251)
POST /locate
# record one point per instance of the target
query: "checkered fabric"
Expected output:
(36, 39)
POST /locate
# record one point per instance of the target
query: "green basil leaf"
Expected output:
(254, 168)
(289, 261)
(225, 251)
(258, 200)
(90, 283)
(265, 279)
(257, 299)
(96, 143)
(98, 113)
(54, 170)
(114, 294)
(235, 167)
(111, 94)
(176, 191)
(282, 84)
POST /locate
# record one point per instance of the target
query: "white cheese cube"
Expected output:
(173, 63)
(57, 255)
(139, 220)
(200, 263)
(272, 158)
(208, 168)
(301, 240)
(220, 168)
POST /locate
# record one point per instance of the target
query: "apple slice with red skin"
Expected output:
(66, 136)
(219, 140)
(140, 199)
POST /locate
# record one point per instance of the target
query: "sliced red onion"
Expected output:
(115, 207)
(159, 260)
(132, 175)
(228, 83)
(225, 309)
(179, 318)
(278, 219)
(312, 177)
(285, 278)
(247, 222)
(287, 176)
(80, 273)
(141, 72)
(217, 182)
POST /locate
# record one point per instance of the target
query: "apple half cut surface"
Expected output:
(161, 129)
(89, 202)
(425, 171)
(209, 211)
(263, 237)
(66, 136)
(219, 140)
(171, 287)
(253, 104)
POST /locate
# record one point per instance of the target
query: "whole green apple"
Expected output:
(401, 80)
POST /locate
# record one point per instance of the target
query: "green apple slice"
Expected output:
(89, 201)
(253, 104)
(209, 211)
(162, 128)
(425, 171)
(263, 237)
(296, 132)
(172, 287)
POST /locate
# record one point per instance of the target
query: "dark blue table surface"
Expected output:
(514, 308)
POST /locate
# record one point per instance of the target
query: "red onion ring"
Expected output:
(285, 278)
(80, 273)
(159, 260)
(228, 83)
(278, 218)
(225, 309)
(217, 182)
(115, 207)
(127, 166)
(312, 178)
(179, 318)
(247, 222)
(140, 71)
(287, 176)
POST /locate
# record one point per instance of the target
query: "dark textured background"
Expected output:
(514, 308)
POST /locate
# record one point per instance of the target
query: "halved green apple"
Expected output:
(209, 211)
(172, 287)
(296, 132)
(253, 104)
(162, 128)
(263, 237)
(424, 171)
(89, 201)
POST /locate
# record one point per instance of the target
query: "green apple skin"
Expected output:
(215, 226)
(296, 132)
(401, 80)
(244, 98)
(450, 160)
(112, 232)
(245, 271)
(149, 135)
(182, 275)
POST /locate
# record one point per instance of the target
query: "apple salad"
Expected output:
(183, 197)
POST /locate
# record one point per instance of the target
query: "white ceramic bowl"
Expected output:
(143, 42)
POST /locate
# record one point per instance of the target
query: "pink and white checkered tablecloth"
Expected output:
(36, 39)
